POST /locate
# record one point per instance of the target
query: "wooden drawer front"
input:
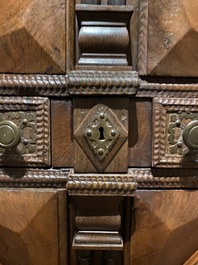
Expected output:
(32, 36)
(175, 127)
(28, 117)
(165, 228)
(31, 230)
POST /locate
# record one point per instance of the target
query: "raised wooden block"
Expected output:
(172, 38)
(33, 227)
(32, 36)
(103, 40)
(164, 225)
(97, 223)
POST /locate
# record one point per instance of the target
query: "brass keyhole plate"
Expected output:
(101, 134)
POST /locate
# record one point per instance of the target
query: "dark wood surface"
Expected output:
(140, 133)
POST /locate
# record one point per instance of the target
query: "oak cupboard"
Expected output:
(98, 132)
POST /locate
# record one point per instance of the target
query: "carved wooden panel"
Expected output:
(26, 121)
(168, 38)
(102, 40)
(101, 184)
(97, 223)
(101, 135)
(164, 225)
(175, 132)
(33, 227)
(32, 36)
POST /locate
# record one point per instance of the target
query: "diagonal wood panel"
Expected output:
(32, 41)
(173, 38)
(29, 227)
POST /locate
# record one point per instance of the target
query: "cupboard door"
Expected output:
(165, 227)
(32, 227)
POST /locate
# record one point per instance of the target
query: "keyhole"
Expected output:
(101, 131)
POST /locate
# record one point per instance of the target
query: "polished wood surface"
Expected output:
(31, 230)
(62, 142)
(172, 38)
(164, 227)
(32, 41)
(193, 259)
(104, 175)
(140, 133)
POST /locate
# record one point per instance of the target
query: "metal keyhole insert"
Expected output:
(101, 131)
(101, 134)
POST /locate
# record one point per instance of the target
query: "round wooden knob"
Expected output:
(190, 135)
(9, 134)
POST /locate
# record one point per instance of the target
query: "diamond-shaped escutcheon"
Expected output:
(101, 135)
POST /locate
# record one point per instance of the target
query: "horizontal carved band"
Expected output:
(169, 89)
(97, 240)
(22, 177)
(165, 178)
(92, 83)
(17, 84)
(98, 184)
(102, 82)
(146, 178)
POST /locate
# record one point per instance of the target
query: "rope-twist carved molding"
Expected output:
(22, 177)
(165, 178)
(98, 184)
(102, 82)
(13, 84)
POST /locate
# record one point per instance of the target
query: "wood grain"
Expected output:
(165, 227)
(193, 260)
(32, 41)
(62, 145)
(140, 133)
(29, 226)
(173, 38)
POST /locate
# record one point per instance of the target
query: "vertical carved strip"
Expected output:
(84, 257)
(142, 40)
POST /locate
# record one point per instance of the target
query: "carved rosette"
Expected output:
(31, 117)
(174, 128)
